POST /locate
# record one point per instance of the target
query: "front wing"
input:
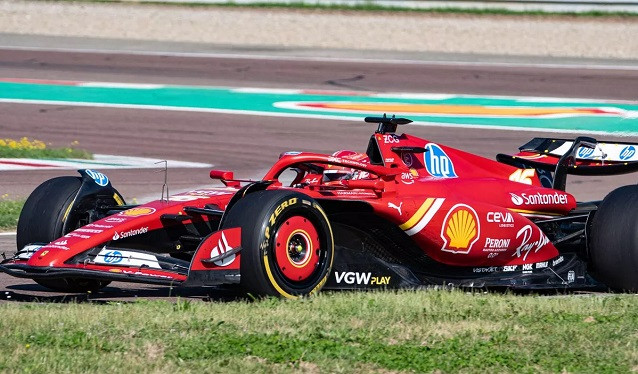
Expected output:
(218, 258)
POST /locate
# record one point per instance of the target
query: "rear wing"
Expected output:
(581, 156)
(608, 152)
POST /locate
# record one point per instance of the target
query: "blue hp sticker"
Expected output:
(113, 257)
(437, 162)
(627, 152)
(584, 152)
(99, 178)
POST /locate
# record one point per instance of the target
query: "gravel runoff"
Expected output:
(563, 36)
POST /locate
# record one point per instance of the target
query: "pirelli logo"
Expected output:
(280, 209)
(423, 216)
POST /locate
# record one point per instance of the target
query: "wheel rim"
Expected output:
(297, 249)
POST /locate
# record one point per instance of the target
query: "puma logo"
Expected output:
(398, 208)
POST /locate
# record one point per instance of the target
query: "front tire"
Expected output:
(287, 243)
(44, 218)
(613, 245)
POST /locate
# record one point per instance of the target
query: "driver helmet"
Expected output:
(336, 173)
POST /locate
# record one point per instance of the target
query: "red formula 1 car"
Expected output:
(407, 213)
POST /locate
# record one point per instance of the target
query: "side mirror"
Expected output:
(225, 176)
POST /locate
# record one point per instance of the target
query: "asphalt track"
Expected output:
(249, 144)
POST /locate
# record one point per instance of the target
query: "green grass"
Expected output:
(422, 331)
(9, 213)
(370, 7)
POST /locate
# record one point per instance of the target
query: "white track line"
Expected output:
(7, 233)
(99, 162)
(301, 115)
(327, 59)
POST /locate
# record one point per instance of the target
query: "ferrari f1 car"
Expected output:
(407, 213)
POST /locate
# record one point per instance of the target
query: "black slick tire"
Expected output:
(43, 219)
(287, 243)
(613, 244)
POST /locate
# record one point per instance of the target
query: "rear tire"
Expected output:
(43, 219)
(287, 243)
(613, 245)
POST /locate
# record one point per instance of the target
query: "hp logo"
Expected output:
(113, 257)
(437, 162)
(627, 152)
(99, 178)
(584, 152)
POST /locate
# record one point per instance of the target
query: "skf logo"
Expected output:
(137, 212)
(461, 229)
(221, 248)
(437, 162)
(351, 277)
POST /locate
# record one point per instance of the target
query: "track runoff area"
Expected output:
(547, 114)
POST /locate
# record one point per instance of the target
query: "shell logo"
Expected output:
(461, 229)
(137, 212)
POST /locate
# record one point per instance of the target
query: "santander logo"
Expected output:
(539, 198)
(221, 248)
(126, 234)
(517, 200)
